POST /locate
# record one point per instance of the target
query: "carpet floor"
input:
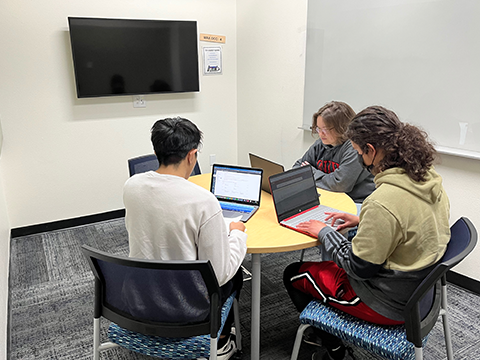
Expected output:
(51, 302)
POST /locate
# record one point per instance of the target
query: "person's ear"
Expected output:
(370, 149)
(192, 156)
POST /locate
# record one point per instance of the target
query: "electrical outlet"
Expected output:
(212, 159)
(139, 102)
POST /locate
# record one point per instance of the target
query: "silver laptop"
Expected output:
(296, 198)
(269, 168)
(237, 189)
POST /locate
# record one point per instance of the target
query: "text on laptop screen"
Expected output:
(230, 183)
(293, 189)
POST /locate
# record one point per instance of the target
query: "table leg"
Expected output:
(255, 331)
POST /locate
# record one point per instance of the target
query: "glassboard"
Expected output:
(419, 58)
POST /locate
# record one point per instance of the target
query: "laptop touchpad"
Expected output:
(229, 214)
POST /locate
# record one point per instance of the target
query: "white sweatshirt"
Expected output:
(171, 218)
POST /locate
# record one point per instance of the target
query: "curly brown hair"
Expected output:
(335, 114)
(405, 145)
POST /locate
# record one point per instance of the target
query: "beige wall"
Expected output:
(461, 179)
(271, 65)
(4, 256)
(73, 153)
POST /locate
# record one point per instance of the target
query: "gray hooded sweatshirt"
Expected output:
(337, 168)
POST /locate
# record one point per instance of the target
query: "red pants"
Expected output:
(329, 283)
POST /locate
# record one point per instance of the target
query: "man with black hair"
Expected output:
(170, 218)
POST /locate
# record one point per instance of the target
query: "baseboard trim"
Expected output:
(464, 282)
(67, 223)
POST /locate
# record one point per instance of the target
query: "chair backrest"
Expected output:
(419, 322)
(142, 164)
(146, 163)
(463, 240)
(152, 297)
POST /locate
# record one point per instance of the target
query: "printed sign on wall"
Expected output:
(212, 60)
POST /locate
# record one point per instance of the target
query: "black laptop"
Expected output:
(296, 198)
(237, 189)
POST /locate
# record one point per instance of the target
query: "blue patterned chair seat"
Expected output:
(390, 342)
(171, 348)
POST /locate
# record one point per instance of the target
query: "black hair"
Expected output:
(405, 145)
(173, 139)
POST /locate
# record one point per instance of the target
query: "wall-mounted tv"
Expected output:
(113, 57)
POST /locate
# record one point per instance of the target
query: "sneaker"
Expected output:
(331, 354)
(227, 350)
(337, 353)
(311, 338)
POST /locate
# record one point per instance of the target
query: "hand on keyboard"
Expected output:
(343, 220)
(312, 227)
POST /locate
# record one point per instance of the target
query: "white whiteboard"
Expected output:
(419, 58)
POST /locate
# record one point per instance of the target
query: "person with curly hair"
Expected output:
(332, 158)
(403, 230)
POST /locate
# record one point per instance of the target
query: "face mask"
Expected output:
(365, 166)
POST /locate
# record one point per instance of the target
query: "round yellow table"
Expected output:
(266, 235)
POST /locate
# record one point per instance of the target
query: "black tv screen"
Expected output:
(114, 57)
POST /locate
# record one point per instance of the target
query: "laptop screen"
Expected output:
(269, 168)
(238, 184)
(294, 191)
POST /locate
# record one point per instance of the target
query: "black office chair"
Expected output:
(421, 312)
(142, 164)
(146, 163)
(166, 309)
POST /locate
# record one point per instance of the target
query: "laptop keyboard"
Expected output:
(236, 207)
(317, 214)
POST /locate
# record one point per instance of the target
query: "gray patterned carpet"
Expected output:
(51, 302)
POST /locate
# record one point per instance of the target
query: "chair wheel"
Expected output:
(238, 355)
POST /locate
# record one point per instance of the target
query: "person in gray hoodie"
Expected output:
(333, 160)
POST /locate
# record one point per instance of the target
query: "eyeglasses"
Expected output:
(324, 130)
